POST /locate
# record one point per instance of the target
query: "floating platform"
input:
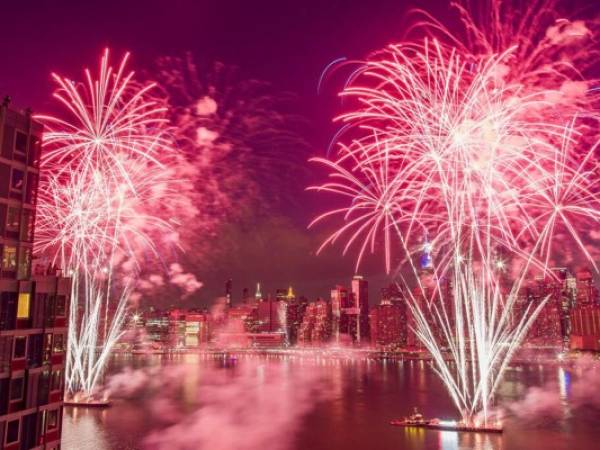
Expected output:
(445, 425)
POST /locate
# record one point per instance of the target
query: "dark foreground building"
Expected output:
(33, 310)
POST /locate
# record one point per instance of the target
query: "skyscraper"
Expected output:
(360, 309)
(33, 311)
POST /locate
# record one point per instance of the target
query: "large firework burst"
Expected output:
(108, 191)
(442, 141)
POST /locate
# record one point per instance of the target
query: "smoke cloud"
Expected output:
(255, 404)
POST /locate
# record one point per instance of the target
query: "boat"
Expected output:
(417, 420)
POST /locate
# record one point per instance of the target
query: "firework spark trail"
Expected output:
(441, 142)
(106, 170)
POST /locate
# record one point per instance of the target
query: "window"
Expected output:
(27, 226)
(60, 305)
(9, 258)
(52, 420)
(24, 262)
(20, 142)
(56, 380)
(23, 305)
(20, 347)
(58, 343)
(12, 431)
(48, 345)
(17, 180)
(12, 218)
(16, 389)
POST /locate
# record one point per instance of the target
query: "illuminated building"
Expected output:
(587, 292)
(270, 315)
(350, 311)
(188, 328)
(552, 327)
(316, 324)
(388, 321)
(360, 310)
(295, 311)
(585, 316)
(33, 311)
(340, 301)
(585, 333)
(157, 328)
(258, 295)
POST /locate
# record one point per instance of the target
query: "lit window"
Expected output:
(23, 306)
(9, 258)
(52, 419)
(12, 218)
(27, 226)
(24, 262)
(58, 343)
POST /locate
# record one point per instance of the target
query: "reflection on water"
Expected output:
(286, 403)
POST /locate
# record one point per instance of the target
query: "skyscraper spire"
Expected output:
(258, 294)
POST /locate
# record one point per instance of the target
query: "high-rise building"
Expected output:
(295, 311)
(316, 324)
(340, 301)
(388, 324)
(360, 310)
(33, 311)
(270, 313)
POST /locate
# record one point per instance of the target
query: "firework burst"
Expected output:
(107, 172)
(442, 141)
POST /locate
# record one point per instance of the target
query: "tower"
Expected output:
(360, 306)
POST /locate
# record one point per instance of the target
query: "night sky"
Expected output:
(285, 43)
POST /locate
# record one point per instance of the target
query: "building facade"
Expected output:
(33, 310)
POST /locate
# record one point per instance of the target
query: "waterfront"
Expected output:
(281, 402)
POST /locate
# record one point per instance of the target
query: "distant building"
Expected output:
(585, 315)
(585, 334)
(340, 302)
(188, 328)
(316, 325)
(388, 326)
(388, 320)
(33, 310)
(552, 325)
(360, 309)
(271, 315)
(295, 311)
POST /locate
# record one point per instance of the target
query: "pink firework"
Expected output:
(468, 144)
(110, 117)
(112, 192)
(442, 145)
